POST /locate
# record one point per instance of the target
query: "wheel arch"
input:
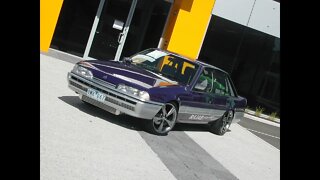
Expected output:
(176, 103)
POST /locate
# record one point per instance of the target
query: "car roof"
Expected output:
(196, 61)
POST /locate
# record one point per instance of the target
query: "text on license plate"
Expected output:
(96, 95)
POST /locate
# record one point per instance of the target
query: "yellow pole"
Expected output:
(187, 26)
(49, 13)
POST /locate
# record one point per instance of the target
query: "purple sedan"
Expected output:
(161, 87)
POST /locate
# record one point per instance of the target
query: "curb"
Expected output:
(262, 117)
(254, 118)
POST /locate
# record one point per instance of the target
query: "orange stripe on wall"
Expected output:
(49, 13)
(187, 26)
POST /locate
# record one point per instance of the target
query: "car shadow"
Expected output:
(124, 120)
(121, 120)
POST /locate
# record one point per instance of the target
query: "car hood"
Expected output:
(116, 72)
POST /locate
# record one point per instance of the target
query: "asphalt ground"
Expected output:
(268, 133)
(79, 141)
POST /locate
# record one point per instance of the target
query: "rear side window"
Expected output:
(221, 84)
(214, 82)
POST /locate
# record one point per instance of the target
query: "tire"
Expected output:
(222, 125)
(164, 120)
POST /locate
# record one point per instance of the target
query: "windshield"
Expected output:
(167, 65)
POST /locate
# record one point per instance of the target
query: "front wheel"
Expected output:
(221, 126)
(164, 120)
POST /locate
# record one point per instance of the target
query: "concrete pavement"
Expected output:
(78, 141)
(77, 145)
(242, 153)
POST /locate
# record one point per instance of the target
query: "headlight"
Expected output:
(130, 90)
(144, 95)
(82, 71)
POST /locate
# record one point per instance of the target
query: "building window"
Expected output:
(251, 57)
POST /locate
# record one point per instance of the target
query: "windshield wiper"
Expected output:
(147, 67)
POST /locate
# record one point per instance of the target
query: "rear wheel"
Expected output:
(221, 126)
(164, 120)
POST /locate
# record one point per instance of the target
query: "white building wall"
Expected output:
(265, 17)
(262, 15)
(234, 10)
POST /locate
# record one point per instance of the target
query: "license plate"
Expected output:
(96, 95)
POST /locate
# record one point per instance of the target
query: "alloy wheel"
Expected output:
(164, 121)
(226, 121)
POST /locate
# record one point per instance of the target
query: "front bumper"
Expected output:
(116, 102)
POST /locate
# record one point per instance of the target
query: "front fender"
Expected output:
(167, 94)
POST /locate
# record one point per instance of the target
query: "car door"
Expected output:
(223, 95)
(196, 107)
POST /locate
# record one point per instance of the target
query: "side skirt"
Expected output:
(196, 118)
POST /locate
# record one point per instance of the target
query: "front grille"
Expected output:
(101, 90)
(108, 99)
(78, 86)
(104, 82)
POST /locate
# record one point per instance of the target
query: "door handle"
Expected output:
(120, 37)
